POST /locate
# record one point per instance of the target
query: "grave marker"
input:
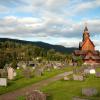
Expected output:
(3, 81)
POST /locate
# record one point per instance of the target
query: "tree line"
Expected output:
(12, 52)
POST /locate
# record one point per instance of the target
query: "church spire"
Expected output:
(86, 29)
(85, 33)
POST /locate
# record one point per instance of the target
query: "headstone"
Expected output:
(3, 81)
(86, 71)
(66, 78)
(23, 65)
(98, 74)
(78, 77)
(33, 68)
(3, 73)
(10, 73)
(27, 72)
(89, 91)
(17, 67)
(38, 72)
(55, 67)
(92, 71)
(36, 95)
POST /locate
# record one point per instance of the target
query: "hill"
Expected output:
(46, 46)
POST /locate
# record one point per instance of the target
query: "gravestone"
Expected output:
(27, 72)
(3, 81)
(89, 91)
(86, 71)
(78, 77)
(92, 71)
(17, 67)
(38, 72)
(10, 73)
(24, 65)
(55, 67)
(3, 73)
(66, 78)
(98, 74)
(33, 68)
(36, 95)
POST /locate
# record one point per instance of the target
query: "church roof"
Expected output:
(87, 40)
(79, 52)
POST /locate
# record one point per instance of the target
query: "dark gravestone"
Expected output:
(38, 72)
(3, 73)
(27, 72)
(89, 91)
(98, 74)
(36, 95)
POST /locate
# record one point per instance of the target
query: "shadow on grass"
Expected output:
(49, 97)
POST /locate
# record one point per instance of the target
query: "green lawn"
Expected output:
(65, 90)
(20, 81)
(98, 69)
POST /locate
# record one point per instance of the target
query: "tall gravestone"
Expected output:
(10, 73)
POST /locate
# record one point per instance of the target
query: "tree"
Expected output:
(79, 61)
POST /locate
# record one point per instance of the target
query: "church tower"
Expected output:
(85, 34)
(87, 44)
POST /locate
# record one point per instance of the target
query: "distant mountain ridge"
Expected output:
(46, 46)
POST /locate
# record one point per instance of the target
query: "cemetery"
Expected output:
(12, 79)
(82, 84)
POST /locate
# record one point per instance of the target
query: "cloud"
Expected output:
(12, 3)
(47, 19)
(56, 27)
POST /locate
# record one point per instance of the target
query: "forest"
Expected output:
(14, 51)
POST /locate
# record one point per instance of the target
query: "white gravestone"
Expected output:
(55, 67)
(92, 71)
(3, 81)
(17, 67)
(10, 73)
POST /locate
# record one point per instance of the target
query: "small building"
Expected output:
(87, 50)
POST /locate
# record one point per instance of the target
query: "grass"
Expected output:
(21, 82)
(98, 69)
(66, 90)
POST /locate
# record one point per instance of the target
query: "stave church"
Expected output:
(87, 50)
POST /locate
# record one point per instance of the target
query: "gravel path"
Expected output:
(14, 94)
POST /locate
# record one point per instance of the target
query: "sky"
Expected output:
(58, 22)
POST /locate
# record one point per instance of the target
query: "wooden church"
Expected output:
(87, 50)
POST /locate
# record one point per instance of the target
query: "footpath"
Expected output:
(21, 92)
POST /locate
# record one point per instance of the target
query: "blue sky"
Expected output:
(53, 21)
